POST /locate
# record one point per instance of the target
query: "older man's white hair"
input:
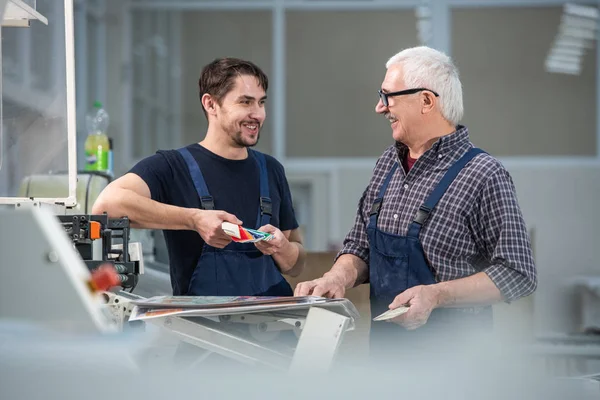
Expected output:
(431, 69)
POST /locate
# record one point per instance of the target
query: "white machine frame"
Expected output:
(17, 13)
(320, 333)
(42, 276)
(52, 270)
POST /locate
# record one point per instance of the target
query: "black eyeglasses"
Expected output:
(384, 96)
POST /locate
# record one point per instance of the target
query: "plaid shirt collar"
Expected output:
(442, 154)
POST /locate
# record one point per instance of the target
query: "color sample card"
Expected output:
(391, 313)
(244, 235)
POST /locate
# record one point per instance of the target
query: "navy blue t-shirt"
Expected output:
(234, 186)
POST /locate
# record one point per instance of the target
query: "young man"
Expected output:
(189, 192)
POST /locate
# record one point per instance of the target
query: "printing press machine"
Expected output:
(113, 235)
(53, 270)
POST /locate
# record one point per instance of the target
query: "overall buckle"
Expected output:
(376, 207)
(207, 203)
(266, 206)
(422, 215)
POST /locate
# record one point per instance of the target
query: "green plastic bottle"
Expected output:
(97, 145)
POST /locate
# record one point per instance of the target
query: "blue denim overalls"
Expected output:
(239, 269)
(397, 263)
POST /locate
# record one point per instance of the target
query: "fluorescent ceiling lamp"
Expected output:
(579, 43)
(563, 68)
(581, 11)
(564, 64)
(567, 53)
(578, 22)
(572, 51)
(566, 58)
(577, 33)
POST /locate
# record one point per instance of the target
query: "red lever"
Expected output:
(104, 277)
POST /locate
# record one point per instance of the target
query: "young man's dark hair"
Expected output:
(217, 78)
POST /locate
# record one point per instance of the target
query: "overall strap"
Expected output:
(423, 213)
(206, 199)
(265, 207)
(377, 203)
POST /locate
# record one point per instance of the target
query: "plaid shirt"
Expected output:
(476, 226)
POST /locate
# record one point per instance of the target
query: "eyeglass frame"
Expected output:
(383, 96)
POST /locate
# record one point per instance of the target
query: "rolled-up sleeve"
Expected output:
(356, 241)
(501, 233)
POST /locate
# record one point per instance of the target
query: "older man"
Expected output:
(438, 228)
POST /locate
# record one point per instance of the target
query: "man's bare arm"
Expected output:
(286, 249)
(472, 291)
(347, 272)
(291, 259)
(130, 196)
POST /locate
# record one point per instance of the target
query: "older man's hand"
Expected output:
(325, 287)
(421, 300)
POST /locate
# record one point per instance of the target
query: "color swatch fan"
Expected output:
(244, 235)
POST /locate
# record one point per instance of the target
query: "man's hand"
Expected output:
(325, 287)
(275, 245)
(208, 224)
(421, 301)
